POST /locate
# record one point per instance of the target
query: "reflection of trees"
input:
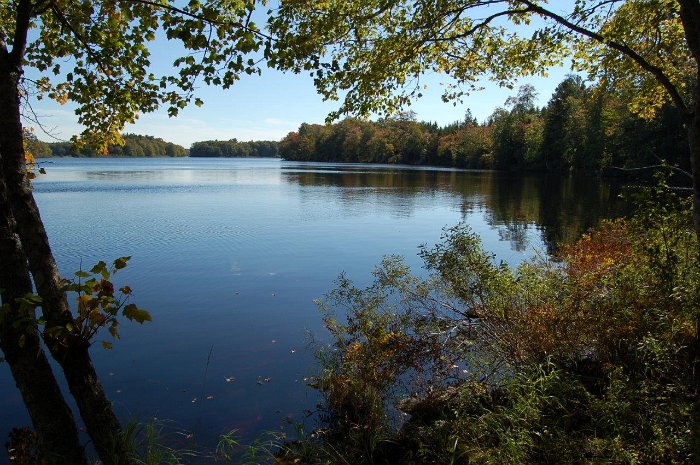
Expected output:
(561, 208)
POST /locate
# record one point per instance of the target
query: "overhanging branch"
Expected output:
(622, 48)
(244, 26)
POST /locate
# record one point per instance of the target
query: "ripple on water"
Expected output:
(230, 254)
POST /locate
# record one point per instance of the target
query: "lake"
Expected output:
(228, 255)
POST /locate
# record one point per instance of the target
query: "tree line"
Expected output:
(134, 146)
(581, 129)
(234, 149)
(148, 146)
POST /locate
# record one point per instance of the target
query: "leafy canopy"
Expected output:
(376, 51)
(98, 54)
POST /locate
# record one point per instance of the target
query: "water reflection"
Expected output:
(559, 208)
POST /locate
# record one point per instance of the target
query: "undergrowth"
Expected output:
(586, 358)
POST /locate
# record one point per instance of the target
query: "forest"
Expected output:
(234, 149)
(582, 129)
(134, 146)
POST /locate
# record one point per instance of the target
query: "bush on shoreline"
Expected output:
(588, 358)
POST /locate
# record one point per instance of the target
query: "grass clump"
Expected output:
(588, 358)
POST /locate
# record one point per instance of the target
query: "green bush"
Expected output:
(589, 358)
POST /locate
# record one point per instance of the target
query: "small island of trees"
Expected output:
(234, 149)
(134, 146)
(148, 146)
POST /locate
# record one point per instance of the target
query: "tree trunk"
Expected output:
(693, 128)
(71, 352)
(694, 143)
(690, 18)
(51, 417)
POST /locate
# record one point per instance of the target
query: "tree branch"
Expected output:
(189, 14)
(690, 17)
(19, 43)
(83, 42)
(4, 54)
(622, 48)
(482, 24)
(650, 167)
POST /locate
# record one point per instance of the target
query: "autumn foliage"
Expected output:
(585, 358)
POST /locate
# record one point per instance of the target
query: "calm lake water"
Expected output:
(228, 256)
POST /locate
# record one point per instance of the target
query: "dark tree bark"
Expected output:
(51, 417)
(70, 351)
(690, 18)
(693, 128)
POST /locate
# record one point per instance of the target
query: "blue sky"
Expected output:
(268, 107)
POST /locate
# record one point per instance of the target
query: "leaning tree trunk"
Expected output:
(71, 352)
(693, 128)
(51, 417)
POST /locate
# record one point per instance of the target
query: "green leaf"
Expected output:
(30, 300)
(132, 312)
(121, 262)
(99, 267)
(113, 331)
(106, 345)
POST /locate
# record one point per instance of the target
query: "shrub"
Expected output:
(588, 358)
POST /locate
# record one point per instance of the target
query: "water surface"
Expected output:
(228, 256)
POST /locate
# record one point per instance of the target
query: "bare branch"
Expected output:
(484, 23)
(609, 3)
(36, 119)
(651, 167)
